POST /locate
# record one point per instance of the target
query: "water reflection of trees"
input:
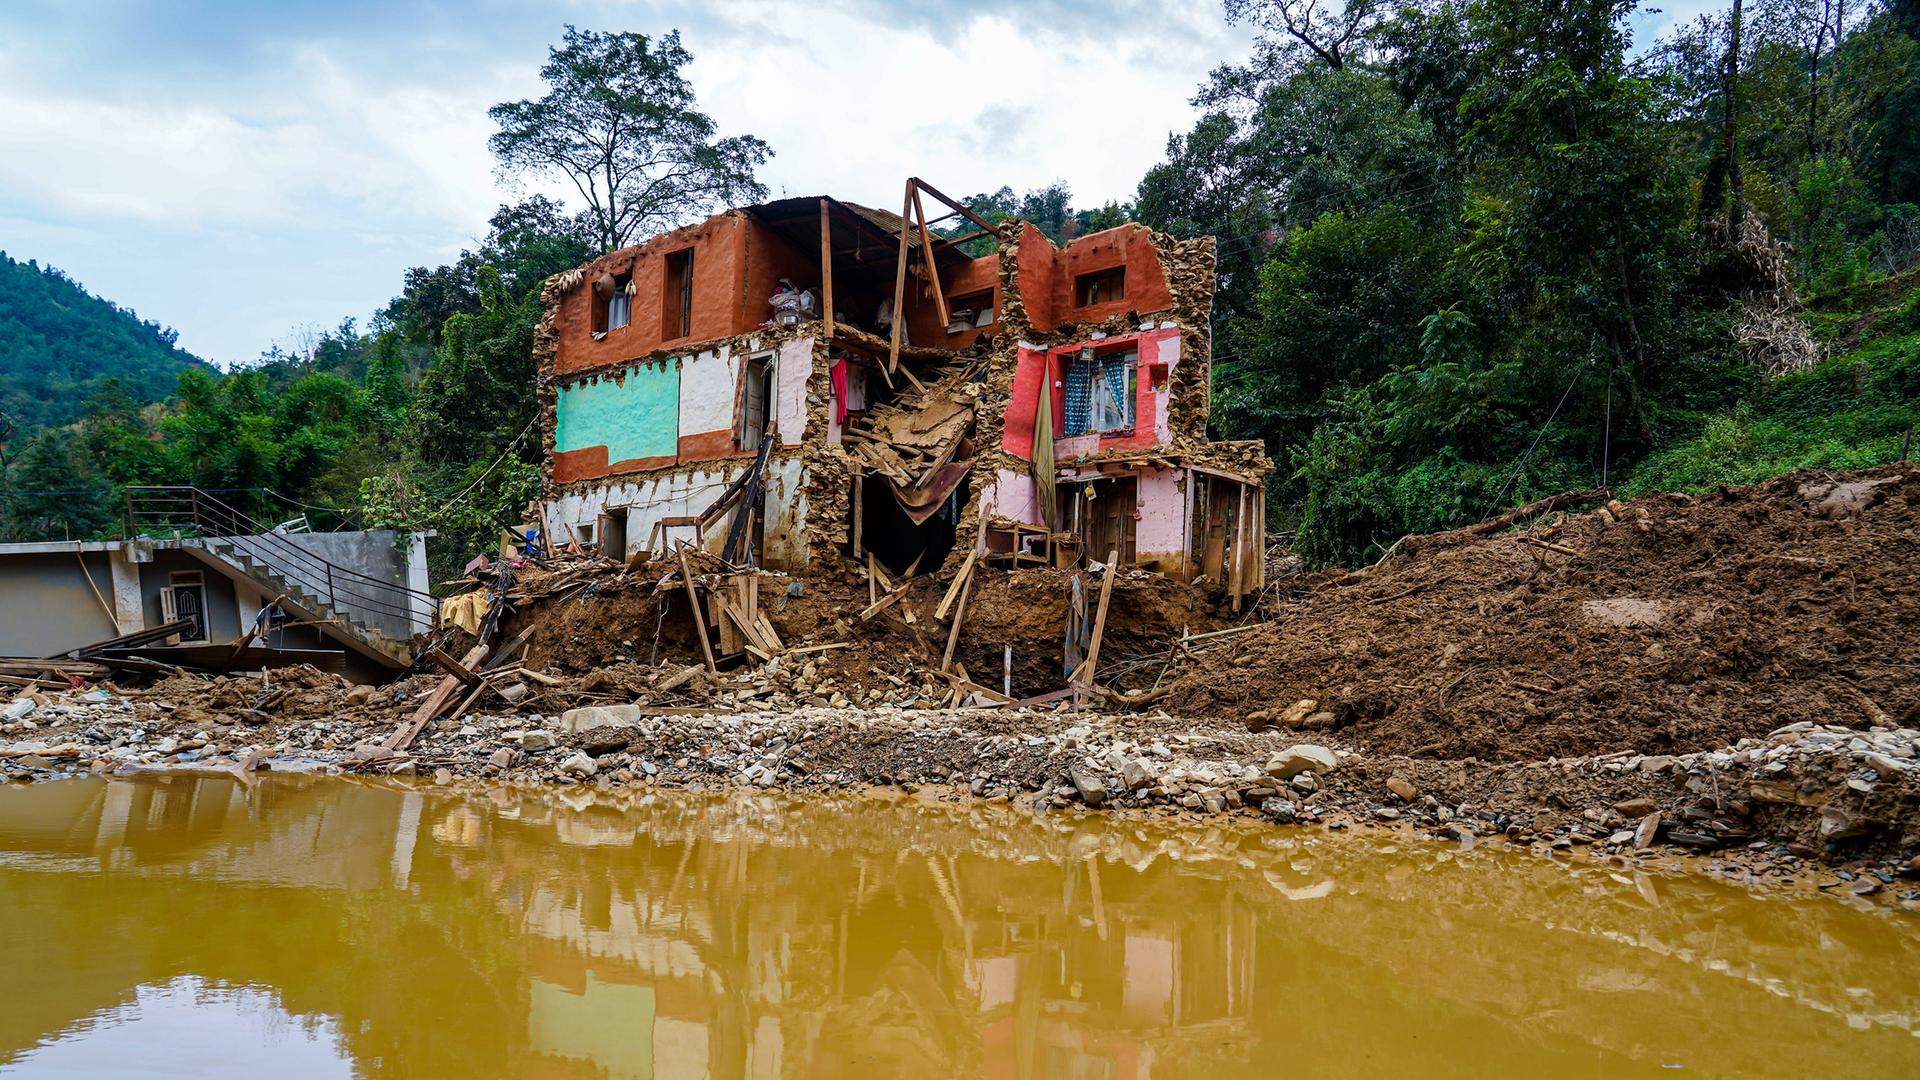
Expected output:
(757, 935)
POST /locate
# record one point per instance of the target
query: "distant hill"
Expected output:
(58, 342)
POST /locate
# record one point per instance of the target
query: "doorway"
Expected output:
(1102, 512)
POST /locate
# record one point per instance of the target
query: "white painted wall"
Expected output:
(682, 493)
(795, 367)
(707, 384)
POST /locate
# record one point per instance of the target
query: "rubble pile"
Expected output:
(1797, 759)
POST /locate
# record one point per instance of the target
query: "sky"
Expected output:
(240, 170)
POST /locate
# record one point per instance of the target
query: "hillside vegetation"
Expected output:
(60, 344)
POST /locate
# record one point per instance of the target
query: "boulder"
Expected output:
(1295, 760)
(1402, 788)
(1636, 808)
(1092, 789)
(579, 765)
(575, 721)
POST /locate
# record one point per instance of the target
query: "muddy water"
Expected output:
(314, 927)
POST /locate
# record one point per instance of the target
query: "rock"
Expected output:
(361, 694)
(1647, 831)
(1885, 766)
(503, 758)
(1093, 790)
(1305, 783)
(1282, 811)
(402, 768)
(19, 708)
(1387, 813)
(532, 742)
(443, 775)
(1135, 775)
(1295, 760)
(604, 744)
(1838, 824)
(1457, 830)
(1212, 803)
(595, 716)
(1402, 788)
(1636, 808)
(579, 765)
(1655, 763)
(1297, 713)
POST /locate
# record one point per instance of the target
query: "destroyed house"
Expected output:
(810, 380)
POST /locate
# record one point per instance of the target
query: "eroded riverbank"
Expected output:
(1825, 808)
(407, 928)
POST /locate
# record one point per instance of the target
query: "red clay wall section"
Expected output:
(719, 268)
(1047, 274)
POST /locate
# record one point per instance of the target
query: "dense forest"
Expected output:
(60, 344)
(1471, 252)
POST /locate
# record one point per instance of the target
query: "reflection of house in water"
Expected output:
(585, 935)
(606, 942)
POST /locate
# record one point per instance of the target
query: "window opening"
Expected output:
(620, 304)
(185, 600)
(756, 402)
(1100, 392)
(1100, 286)
(676, 316)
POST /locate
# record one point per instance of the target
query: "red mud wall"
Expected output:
(923, 319)
(1047, 274)
(719, 267)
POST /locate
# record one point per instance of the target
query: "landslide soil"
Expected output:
(1685, 624)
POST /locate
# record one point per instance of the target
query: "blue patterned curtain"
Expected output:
(1079, 403)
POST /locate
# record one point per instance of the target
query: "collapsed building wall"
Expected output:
(644, 429)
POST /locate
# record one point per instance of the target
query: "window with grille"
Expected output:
(1100, 392)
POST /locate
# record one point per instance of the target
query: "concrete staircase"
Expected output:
(274, 578)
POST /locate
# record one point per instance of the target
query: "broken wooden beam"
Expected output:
(1085, 671)
(699, 620)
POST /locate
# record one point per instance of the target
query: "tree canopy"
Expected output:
(619, 123)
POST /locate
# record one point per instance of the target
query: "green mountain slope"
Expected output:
(58, 343)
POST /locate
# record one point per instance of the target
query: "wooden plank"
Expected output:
(900, 287)
(885, 602)
(1099, 620)
(699, 620)
(953, 631)
(404, 735)
(926, 254)
(453, 667)
(956, 207)
(959, 579)
(826, 271)
(805, 649)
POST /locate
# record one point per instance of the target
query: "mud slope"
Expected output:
(1685, 624)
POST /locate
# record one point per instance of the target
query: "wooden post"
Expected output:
(953, 631)
(699, 619)
(1100, 619)
(859, 511)
(1237, 576)
(1006, 672)
(954, 206)
(926, 254)
(826, 271)
(900, 284)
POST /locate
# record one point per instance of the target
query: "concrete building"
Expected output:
(748, 377)
(349, 601)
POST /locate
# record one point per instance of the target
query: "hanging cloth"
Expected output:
(838, 372)
(1079, 629)
(1043, 444)
(1079, 409)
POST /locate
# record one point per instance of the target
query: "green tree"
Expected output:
(619, 123)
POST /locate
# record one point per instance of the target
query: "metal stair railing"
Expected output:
(188, 512)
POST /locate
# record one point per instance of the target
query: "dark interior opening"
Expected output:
(891, 536)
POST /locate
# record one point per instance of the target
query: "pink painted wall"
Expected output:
(1159, 353)
(1162, 529)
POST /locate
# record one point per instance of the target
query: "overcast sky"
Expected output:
(236, 169)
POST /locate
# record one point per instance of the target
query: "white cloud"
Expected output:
(344, 156)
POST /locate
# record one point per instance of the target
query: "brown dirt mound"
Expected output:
(1680, 624)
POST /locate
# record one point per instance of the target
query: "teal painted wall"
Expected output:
(638, 417)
